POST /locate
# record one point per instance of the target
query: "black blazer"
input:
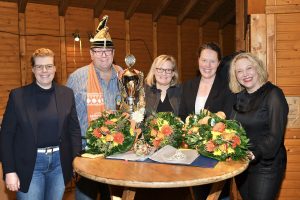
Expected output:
(18, 135)
(152, 97)
(219, 99)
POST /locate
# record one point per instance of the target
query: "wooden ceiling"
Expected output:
(222, 11)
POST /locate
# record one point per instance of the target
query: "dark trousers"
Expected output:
(89, 189)
(260, 185)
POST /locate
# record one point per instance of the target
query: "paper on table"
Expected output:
(129, 155)
(169, 154)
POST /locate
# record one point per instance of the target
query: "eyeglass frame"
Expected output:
(161, 70)
(48, 67)
(103, 52)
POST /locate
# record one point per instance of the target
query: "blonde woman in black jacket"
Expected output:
(162, 90)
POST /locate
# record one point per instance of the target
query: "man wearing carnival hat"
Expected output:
(96, 89)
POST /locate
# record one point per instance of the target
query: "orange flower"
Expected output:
(156, 143)
(227, 136)
(204, 120)
(210, 146)
(221, 114)
(166, 130)
(109, 122)
(184, 145)
(153, 133)
(236, 141)
(153, 122)
(104, 130)
(118, 138)
(97, 133)
(220, 127)
(223, 147)
(160, 136)
(109, 138)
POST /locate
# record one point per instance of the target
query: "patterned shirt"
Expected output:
(78, 82)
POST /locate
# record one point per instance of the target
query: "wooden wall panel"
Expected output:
(211, 32)
(167, 36)
(42, 31)
(78, 20)
(228, 38)
(287, 2)
(10, 76)
(291, 185)
(141, 43)
(288, 47)
(189, 53)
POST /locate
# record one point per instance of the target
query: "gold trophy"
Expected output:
(132, 90)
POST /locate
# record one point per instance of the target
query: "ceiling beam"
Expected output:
(160, 9)
(210, 11)
(186, 11)
(99, 7)
(132, 8)
(62, 7)
(226, 19)
(22, 5)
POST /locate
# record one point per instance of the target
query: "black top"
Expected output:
(152, 98)
(19, 132)
(263, 114)
(47, 124)
(220, 97)
(164, 106)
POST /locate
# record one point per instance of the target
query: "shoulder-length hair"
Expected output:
(234, 85)
(158, 62)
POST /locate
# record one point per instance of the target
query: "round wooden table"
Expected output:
(133, 175)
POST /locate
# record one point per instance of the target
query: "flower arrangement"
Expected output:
(163, 128)
(215, 137)
(112, 132)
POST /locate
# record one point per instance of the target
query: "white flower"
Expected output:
(138, 116)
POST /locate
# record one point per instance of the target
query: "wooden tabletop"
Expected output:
(153, 175)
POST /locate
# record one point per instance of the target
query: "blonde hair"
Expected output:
(159, 61)
(42, 52)
(234, 85)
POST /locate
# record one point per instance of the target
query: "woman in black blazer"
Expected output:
(210, 90)
(40, 134)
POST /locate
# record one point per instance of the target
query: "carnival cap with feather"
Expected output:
(102, 37)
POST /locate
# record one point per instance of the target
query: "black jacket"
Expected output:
(219, 99)
(18, 135)
(152, 96)
(263, 114)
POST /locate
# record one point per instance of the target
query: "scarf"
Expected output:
(95, 97)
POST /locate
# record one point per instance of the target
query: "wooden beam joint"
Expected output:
(161, 7)
(22, 5)
(132, 8)
(62, 7)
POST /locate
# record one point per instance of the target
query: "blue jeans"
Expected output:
(47, 181)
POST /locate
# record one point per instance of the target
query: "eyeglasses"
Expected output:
(41, 67)
(161, 70)
(103, 52)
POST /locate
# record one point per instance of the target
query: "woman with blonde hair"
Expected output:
(262, 110)
(162, 90)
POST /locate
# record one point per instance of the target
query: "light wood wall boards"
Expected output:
(281, 31)
(41, 26)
